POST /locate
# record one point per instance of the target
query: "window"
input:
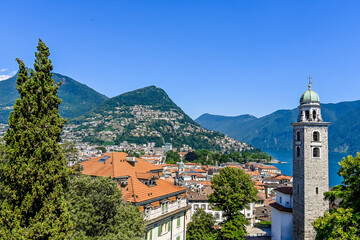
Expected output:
(316, 136)
(178, 221)
(298, 151)
(314, 114)
(196, 206)
(280, 200)
(178, 202)
(164, 207)
(147, 211)
(210, 207)
(217, 216)
(178, 238)
(149, 235)
(316, 152)
(248, 214)
(203, 206)
(159, 230)
(307, 115)
(298, 136)
(164, 228)
(317, 190)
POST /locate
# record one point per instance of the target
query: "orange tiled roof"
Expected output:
(135, 191)
(283, 177)
(197, 164)
(233, 166)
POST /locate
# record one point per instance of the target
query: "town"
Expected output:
(179, 120)
(189, 183)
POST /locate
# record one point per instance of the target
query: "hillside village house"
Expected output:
(163, 204)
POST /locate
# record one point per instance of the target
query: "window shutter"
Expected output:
(159, 230)
(178, 221)
(169, 226)
(150, 235)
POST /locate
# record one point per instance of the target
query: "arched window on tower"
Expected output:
(307, 114)
(314, 115)
(316, 136)
(298, 151)
(316, 152)
(298, 136)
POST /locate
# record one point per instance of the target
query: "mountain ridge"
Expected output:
(142, 116)
(273, 131)
(77, 98)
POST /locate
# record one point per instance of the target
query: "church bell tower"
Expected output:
(310, 166)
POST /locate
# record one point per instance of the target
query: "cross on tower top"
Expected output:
(310, 82)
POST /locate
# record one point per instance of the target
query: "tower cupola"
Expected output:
(310, 109)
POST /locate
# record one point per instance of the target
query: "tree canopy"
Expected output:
(208, 157)
(35, 177)
(233, 191)
(172, 157)
(343, 222)
(99, 212)
(201, 226)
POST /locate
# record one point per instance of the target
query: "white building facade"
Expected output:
(281, 214)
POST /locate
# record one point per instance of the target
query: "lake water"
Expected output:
(287, 166)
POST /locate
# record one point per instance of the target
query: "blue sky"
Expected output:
(220, 57)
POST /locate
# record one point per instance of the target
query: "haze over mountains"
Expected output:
(273, 131)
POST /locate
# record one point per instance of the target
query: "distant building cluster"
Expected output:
(169, 194)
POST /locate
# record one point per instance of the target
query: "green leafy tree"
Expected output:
(234, 228)
(233, 191)
(35, 176)
(201, 227)
(99, 212)
(172, 157)
(3, 160)
(190, 156)
(343, 222)
(102, 149)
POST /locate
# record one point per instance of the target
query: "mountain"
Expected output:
(76, 98)
(273, 131)
(143, 116)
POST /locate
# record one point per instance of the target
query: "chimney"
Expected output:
(131, 160)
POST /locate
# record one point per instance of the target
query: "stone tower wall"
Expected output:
(310, 178)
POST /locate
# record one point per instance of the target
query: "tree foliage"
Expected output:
(172, 157)
(201, 227)
(343, 222)
(99, 212)
(233, 191)
(234, 228)
(35, 176)
(208, 157)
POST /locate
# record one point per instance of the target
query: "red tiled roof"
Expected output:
(135, 191)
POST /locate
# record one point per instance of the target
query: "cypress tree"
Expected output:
(35, 176)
